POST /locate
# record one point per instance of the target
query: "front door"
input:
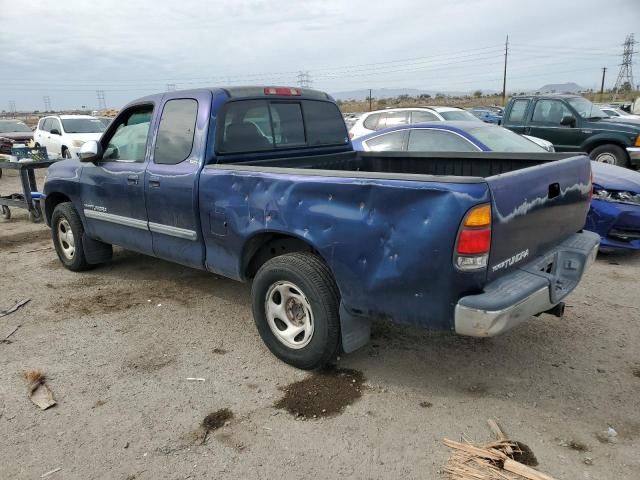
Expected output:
(545, 123)
(113, 187)
(171, 179)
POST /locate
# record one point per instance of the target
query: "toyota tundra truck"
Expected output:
(261, 184)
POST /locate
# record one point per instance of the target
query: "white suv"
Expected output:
(64, 134)
(377, 120)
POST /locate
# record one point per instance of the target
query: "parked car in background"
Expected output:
(487, 116)
(614, 213)
(574, 124)
(447, 137)
(105, 120)
(615, 207)
(351, 118)
(615, 112)
(380, 119)
(262, 184)
(65, 134)
(14, 133)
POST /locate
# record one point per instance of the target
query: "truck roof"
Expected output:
(250, 91)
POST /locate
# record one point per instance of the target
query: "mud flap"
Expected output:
(96, 251)
(355, 330)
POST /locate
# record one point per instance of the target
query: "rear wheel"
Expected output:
(66, 231)
(611, 154)
(295, 308)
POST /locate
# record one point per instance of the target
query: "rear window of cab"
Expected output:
(264, 125)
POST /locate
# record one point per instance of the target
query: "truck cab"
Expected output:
(574, 124)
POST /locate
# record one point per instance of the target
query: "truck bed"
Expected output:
(467, 164)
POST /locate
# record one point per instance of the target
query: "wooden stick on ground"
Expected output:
(5, 339)
(500, 435)
(524, 471)
(14, 308)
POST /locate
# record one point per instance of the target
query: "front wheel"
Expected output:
(611, 154)
(295, 308)
(66, 231)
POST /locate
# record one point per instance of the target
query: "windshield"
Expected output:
(7, 126)
(83, 125)
(500, 139)
(585, 108)
(459, 115)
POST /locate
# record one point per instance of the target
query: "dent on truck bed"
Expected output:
(378, 237)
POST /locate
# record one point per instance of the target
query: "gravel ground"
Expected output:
(118, 343)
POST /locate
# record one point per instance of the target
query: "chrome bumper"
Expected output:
(634, 154)
(528, 290)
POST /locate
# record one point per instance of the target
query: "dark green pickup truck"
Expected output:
(572, 123)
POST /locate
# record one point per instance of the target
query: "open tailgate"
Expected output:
(535, 209)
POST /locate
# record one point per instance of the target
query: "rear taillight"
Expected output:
(283, 91)
(474, 239)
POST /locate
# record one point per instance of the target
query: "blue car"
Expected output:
(615, 206)
(487, 116)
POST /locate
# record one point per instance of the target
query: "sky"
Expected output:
(68, 49)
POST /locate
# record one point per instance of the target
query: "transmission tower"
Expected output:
(171, 87)
(12, 107)
(625, 75)
(304, 80)
(47, 103)
(102, 103)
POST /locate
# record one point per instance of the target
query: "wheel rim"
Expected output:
(607, 157)
(289, 314)
(65, 239)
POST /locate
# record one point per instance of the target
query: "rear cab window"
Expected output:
(263, 125)
(518, 111)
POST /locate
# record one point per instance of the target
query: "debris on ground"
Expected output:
(31, 251)
(39, 392)
(489, 461)
(6, 338)
(50, 472)
(323, 394)
(214, 421)
(426, 404)
(15, 307)
(195, 379)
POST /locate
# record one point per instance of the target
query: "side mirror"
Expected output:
(54, 131)
(568, 121)
(90, 151)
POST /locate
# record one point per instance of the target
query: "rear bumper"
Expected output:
(528, 290)
(634, 155)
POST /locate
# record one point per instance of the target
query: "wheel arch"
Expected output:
(264, 246)
(51, 202)
(597, 141)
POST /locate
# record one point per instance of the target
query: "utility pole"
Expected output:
(171, 87)
(12, 107)
(370, 101)
(47, 103)
(504, 75)
(604, 71)
(304, 80)
(625, 75)
(102, 103)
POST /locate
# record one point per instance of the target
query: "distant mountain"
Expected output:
(388, 93)
(569, 87)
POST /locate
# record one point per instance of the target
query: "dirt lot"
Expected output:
(119, 342)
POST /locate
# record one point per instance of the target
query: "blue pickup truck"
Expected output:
(262, 184)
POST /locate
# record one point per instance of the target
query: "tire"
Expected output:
(66, 153)
(609, 153)
(66, 232)
(305, 288)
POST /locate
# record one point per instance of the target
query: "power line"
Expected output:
(304, 80)
(102, 103)
(625, 75)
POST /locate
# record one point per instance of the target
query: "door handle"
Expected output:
(154, 182)
(132, 179)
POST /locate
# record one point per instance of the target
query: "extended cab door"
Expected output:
(171, 179)
(112, 189)
(515, 117)
(545, 123)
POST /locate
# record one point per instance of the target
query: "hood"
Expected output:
(625, 120)
(84, 136)
(17, 135)
(610, 177)
(618, 124)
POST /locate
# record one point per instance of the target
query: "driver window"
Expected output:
(128, 142)
(550, 112)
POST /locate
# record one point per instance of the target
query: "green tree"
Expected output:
(477, 93)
